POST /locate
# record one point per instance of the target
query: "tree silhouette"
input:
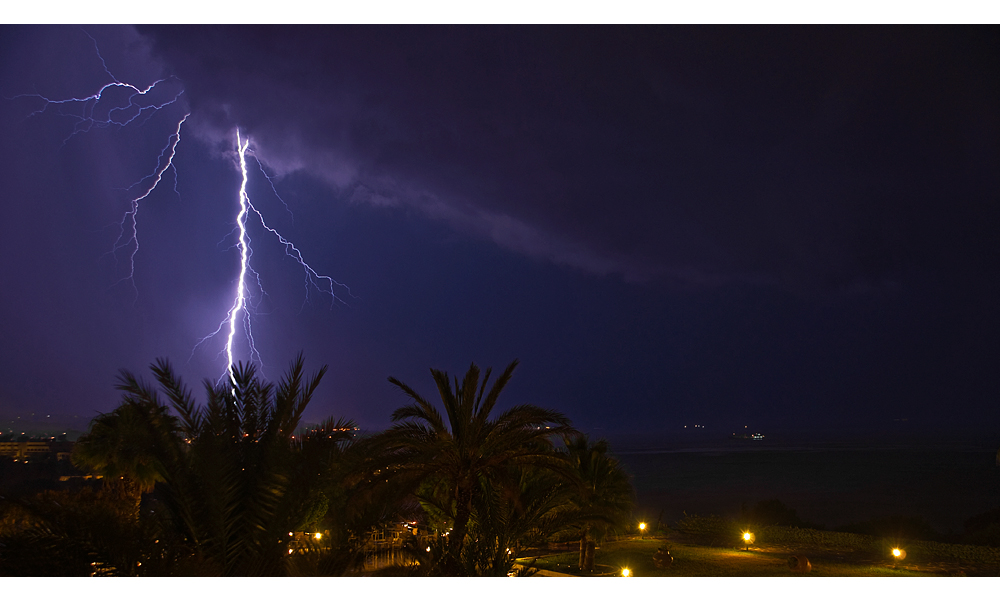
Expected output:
(467, 452)
(604, 497)
(119, 448)
(232, 474)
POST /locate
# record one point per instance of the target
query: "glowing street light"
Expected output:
(748, 538)
(898, 554)
(318, 535)
(626, 573)
(642, 530)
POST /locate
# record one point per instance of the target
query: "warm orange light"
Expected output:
(318, 535)
(642, 525)
(746, 536)
(896, 552)
(626, 572)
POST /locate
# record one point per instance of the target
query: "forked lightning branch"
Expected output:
(98, 111)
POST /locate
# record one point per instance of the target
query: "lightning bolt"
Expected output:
(271, 181)
(240, 310)
(85, 120)
(102, 109)
(241, 222)
(97, 111)
(129, 218)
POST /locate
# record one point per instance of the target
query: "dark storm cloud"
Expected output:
(811, 157)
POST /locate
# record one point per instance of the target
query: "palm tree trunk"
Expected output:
(591, 551)
(463, 511)
(128, 493)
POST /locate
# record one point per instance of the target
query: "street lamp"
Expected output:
(748, 538)
(897, 555)
(626, 572)
(642, 530)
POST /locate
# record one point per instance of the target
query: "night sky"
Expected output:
(793, 229)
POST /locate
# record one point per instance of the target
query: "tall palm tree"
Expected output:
(229, 474)
(465, 450)
(233, 475)
(510, 516)
(605, 496)
(118, 448)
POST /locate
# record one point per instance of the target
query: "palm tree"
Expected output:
(233, 476)
(604, 498)
(510, 516)
(229, 471)
(462, 457)
(118, 448)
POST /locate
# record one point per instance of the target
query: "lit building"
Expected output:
(25, 447)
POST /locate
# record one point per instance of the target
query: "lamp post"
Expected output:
(748, 538)
(627, 573)
(642, 530)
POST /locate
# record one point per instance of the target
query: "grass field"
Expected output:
(699, 560)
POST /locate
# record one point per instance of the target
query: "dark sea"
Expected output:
(831, 483)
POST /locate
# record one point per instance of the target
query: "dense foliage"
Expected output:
(236, 486)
